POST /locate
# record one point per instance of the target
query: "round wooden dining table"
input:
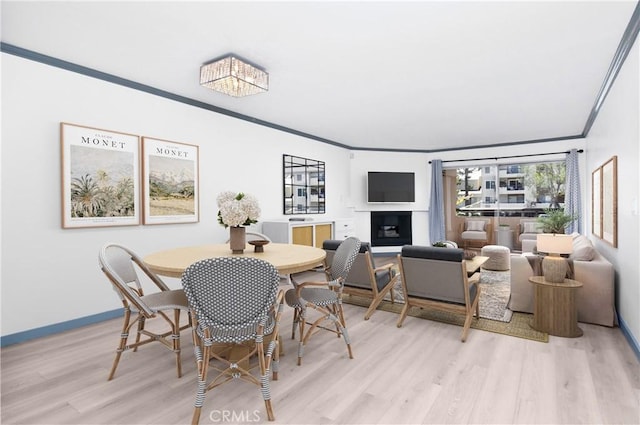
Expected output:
(286, 258)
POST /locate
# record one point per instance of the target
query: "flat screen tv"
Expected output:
(387, 186)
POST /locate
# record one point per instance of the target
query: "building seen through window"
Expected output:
(524, 190)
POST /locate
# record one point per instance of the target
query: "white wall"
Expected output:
(363, 161)
(617, 132)
(50, 274)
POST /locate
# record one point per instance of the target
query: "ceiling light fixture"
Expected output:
(234, 76)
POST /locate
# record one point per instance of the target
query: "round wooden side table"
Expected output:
(554, 307)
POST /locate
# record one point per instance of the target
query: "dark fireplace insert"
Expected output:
(390, 228)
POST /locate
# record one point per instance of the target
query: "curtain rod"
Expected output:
(510, 156)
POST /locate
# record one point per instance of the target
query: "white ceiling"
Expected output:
(427, 75)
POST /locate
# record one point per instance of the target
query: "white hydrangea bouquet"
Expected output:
(237, 209)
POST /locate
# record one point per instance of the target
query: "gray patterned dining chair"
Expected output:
(236, 308)
(324, 298)
(119, 264)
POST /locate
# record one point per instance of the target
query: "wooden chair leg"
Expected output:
(141, 323)
(376, 302)
(124, 336)
(176, 340)
(403, 313)
(202, 357)
(301, 325)
(195, 419)
(347, 341)
(265, 384)
(296, 322)
(115, 364)
(467, 325)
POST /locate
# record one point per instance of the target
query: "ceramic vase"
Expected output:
(237, 239)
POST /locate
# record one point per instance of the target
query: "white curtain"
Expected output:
(572, 200)
(436, 204)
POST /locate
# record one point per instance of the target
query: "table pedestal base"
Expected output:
(555, 311)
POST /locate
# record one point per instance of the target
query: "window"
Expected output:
(525, 190)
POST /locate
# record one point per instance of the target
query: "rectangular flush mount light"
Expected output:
(233, 76)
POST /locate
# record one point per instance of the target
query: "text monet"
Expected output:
(105, 141)
(171, 152)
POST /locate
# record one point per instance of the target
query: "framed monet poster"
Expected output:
(100, 177)
(170, 182)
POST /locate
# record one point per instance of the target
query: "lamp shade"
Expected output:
(554, 244)
(554, 267)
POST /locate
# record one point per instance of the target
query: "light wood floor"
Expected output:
(420, 373)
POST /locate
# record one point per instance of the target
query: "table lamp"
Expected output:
(554, 267)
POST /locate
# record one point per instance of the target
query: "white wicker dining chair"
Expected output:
(119, 264)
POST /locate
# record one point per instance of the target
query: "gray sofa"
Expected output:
(595, 299)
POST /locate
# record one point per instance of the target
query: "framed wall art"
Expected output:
(610, 201)
(170, 182)
(596, 203)
(605, 201)
(100, 177)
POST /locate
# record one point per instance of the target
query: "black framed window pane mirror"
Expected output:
(303, 188)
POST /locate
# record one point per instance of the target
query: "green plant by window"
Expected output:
(555, 220)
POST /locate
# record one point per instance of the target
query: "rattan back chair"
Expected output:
(121, 266)
(236, 306)
(324, 298)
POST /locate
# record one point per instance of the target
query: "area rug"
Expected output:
(517, 327)
(495, 290)
(494, 314)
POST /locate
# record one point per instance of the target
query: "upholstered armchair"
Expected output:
(436, 278)
(528, 229)
(476, 231)
(364, 278)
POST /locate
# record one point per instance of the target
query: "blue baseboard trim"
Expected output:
(633, 342)
(24, 336)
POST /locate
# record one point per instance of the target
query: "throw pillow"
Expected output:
(531, 227)
(476, 226)
(583, 250)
